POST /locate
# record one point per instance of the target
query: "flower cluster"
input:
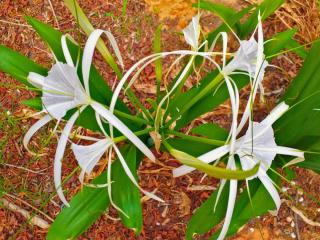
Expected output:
(63, 92)
(258, 145)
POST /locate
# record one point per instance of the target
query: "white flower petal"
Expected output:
(282, 150)
(60, 152)
(231, 203)
(65, 50)
(192, 32)
(89, 50)
(132, 178)
(113, 120)
(34, 128)
(275, 114)
(267, 182)
(36, 79)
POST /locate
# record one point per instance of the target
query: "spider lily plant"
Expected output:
(67, 94)
(258, 145)
(63, 91)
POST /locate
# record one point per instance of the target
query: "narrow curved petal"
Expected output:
(60, 152)
(89, 50)
(267, 182)
(34, 128)
(222, 185)
(36, 79)
(65, 50)
(231, 203)
(283, 151)
(126, 76)
(113, 120)
(275, 114)
(132, 178)
(109, 180)
(176, 84)
(208, 157)
(192, 32)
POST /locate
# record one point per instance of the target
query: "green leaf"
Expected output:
(18, 66)
(34, 103)
(299, 126)
(124, 8)
(307, 81)
(124, 193)
(87, 27)
(216, 172)
(266, 8)
(206, 217)
(211, 130)
(85, 208)
(158, 62)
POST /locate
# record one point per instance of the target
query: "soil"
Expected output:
(33, 183)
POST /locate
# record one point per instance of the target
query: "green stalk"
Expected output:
(197, 139)
(127, 115)
(194, 100)
(130, 117)
(138, 133)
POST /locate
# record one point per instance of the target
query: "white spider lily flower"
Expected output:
(256, 146)
(88, 156)
(192, 32)
(63, 91)
(250, 56)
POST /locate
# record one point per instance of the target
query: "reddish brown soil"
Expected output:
(134, 35)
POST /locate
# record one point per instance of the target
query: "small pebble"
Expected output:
(8, 113)
(289, 219)
(300, 191)
(251, 229)
(292, 224)
(301, 199)
(241, 190)
(293, 235)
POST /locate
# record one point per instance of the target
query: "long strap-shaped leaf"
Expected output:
(212, 171)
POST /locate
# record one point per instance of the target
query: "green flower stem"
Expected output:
(197, 139)
(194, 100)
(138, 105)
(127, 115)
(130, 117)
(138, 133)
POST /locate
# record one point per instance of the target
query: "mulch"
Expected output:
(134, 33)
